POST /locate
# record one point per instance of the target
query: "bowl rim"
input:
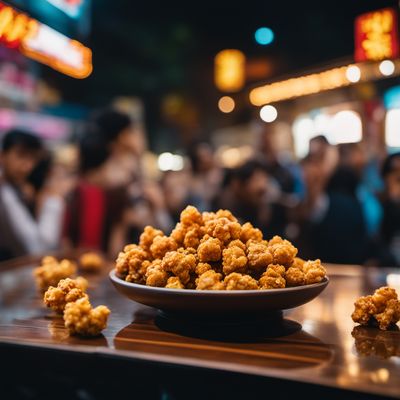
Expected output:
(162, 290)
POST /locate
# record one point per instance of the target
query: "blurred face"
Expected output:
(176, 189)
(393, 185)
(131, 140)
(254, 190)
(18, 163)
(205, 157)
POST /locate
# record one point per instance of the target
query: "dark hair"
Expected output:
(388, 164)
(22, 139)
(111, 123)
(320, 138)
(41, 171)
(193, 153)
(245, 171)
(93, 149)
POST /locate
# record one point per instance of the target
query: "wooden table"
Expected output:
(328, 356)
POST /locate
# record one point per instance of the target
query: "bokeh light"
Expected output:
(386, 67)
(268, 113)
(264, 36)
(170, 162)
(226, 104)
(353, 73)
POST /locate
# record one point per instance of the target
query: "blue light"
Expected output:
(391, 97)
(264, 36)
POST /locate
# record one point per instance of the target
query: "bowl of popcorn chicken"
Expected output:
(210, 264)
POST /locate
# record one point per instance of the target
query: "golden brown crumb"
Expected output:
(273, 277)
(235, 281)
(233, 260)
(210, 280)
(383, 307)
(81, 319)
(258, 255)
(162, 245)
(248, 232)
(208, 216)
(226, 214)
(179, 233)
(50, 272)
(223, 229)
(179, 264)
(314, 272)
(155, 274)
(66, 291)
(201, 268)
(282, 251)
(190, 215)
(129, 264)
(91, 262)
(298, 263)
(174, 283)
(193, 236)
(147, 237)
(209, 249)
(237, 243)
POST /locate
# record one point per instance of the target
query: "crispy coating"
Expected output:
(298, 263)
(130, 262)
(193, 236)
(91, 262)
(179, 264)
(210, 249)
(210, 280)
(50, 272)
(314, 272)
(235, 281)
(233, 260)
(174, 283)
(273, 277)
(282, 251)
(248, 232)
(258, 255)
(147, 237)
(190, 215)
(294, 277)
(226, 214)
(179, 233)
(66, 291)
(162, 245)
(201, 268)
(81, 319)
(208, 216)
(237, 243)
(155, 274)
(383, 307)
(223, 229)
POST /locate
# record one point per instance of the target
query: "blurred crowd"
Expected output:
(338, 203)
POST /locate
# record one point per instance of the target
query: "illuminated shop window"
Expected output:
(345, 127)
(392, 128)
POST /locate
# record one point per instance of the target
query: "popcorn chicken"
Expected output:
(258, 255)
(129, 263)
(209, 249)
(248, 232)
(201, 268)
(223, 229)
(210, 280)
(314, 272)
(180, 264)
(91, 262)
(147, 237)
(174, 283)
(50, 272)
(81, 319)
(294, 277)
(282, 251)
(226, 214)
(273, 277)
(190, 215)
(383, 307)
(67, 290)
(235, 281)
(162, 245)
(233, 260)
(193, 236)
(155, 274)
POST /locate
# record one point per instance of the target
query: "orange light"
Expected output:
(42, 43)
(230, 70)
(226, 104)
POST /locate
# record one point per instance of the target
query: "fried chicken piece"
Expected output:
(201, 268)
(50, 272)
(233, 260)
(237, 243)
(174, 283)
(383, 307)
(147, 237)
(248, 232)
(314, 272)
(129, 263)
(282, 251)
(225, 214)
(66, 291)
(295, 277)
(235, 281)
(208, 216)
(162, 245)
(223, 229)
(155, 274)
(258, 255)
(81, 283)
(210, 280)
(191, 215)
(210, 249)
(81, 319)
(273, 277)
(193, 236)
(298, 263)
(91, 262)
(179, 263)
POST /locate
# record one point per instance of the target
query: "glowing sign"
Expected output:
(376, 35)
(44, 44)
(230, 70)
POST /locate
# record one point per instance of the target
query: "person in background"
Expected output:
(390, 199)
(253, 195)
(31, 207)
(207, 175)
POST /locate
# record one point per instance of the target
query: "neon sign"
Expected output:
(44, 44)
